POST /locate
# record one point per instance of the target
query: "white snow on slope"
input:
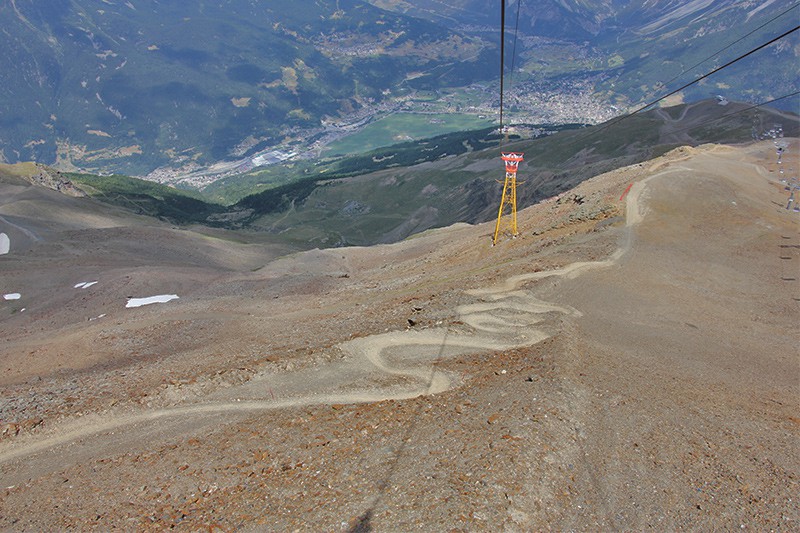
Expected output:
(160, 299)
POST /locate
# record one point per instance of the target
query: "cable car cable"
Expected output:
(704, 76)
(726, 115)
(514, 48)
(731, 44)
(502, 54)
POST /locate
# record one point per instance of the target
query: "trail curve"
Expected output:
(504, 317)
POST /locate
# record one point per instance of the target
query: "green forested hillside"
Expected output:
(111, 86)
(147, 198)
(134, 85)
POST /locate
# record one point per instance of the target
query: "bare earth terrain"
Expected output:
(625, 363)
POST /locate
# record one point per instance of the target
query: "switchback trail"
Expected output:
(396, 365)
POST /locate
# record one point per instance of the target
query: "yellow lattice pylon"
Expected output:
(509, 197)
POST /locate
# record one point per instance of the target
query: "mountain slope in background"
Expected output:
(633, 51)
(459, 184)
(106, 85)
(131, 85)
(392, 193)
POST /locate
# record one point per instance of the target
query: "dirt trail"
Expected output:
(637, 375)
(505, 319)
(671, 368)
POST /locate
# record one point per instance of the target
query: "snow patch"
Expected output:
(84, 284)
(5, 244)
(12, 296)
(160, 299)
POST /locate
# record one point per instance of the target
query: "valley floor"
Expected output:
(630, 361)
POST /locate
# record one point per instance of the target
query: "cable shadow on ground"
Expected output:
(364, 522)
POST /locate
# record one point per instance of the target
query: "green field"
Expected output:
(403, 127)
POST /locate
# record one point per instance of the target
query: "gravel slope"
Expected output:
(622, 364)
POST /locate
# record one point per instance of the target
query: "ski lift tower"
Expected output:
(509, 198)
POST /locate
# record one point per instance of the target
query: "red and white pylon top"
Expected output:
(512, 160)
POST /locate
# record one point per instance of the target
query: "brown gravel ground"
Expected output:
(663, 396)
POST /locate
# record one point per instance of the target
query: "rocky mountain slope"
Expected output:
(628, 362)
